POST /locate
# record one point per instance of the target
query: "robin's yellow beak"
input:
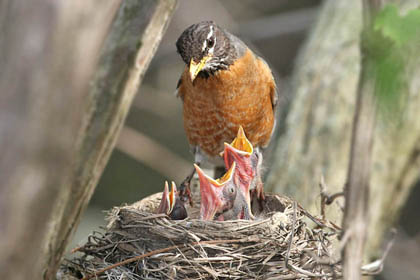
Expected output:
(195, 68)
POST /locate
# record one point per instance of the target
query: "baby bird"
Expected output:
(248, 165)
(217, 196)
(241, 153)
(171, 204)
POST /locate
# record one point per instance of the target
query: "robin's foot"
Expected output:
(185, 190)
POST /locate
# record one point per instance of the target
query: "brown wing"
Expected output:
(273, 92)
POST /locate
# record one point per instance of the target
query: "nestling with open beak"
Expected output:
(241, 153)
(171, 205)
(217, 196)
(248, 161)
(224, 85)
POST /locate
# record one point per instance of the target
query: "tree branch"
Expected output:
(129, 47)
(357, 188)
(46, 67)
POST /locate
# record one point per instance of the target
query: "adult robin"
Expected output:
(224, 85)
(171, 204)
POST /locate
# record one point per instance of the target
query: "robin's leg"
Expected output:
(184, 188)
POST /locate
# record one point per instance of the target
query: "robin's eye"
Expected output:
(210, 43)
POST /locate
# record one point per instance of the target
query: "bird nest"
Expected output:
(138, 244)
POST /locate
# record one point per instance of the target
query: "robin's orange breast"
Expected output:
(216, 106)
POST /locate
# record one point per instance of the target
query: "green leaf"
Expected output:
(400, 29)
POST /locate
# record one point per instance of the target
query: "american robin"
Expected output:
(217, 196)
(224, 86)
(171, 204)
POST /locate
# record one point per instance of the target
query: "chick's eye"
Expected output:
(210, 42)
(231, 189)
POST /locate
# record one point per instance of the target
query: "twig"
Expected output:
(77, 249)
(340, 206)
(326, 199)
(330, 199)
(182, 254)
(170, 248)
(318, 222)
(305, 272)
(312, 218)
(252, 224)
(377, 266)
(328, 262)
(292, 233)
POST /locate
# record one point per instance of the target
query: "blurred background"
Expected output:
(153, 148)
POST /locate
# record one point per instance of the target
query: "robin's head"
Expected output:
(207, 48)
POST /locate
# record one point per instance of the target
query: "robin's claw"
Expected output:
(185, 190)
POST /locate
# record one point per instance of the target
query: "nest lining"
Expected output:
(277, 245)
